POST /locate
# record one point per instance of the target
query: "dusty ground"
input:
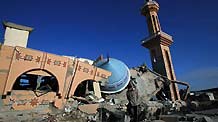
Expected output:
(76, 116)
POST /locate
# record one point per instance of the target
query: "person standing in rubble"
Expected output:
(133, 105)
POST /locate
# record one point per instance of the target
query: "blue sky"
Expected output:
(88, 28)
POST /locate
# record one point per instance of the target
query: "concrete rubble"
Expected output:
(113, 107)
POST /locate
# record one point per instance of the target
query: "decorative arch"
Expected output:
(36, 80)
(84, 88)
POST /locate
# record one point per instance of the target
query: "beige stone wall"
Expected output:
(14, 37)
(27, 100)
(6, 53)
(14, 61)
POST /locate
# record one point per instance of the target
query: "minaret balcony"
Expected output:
(157, 39)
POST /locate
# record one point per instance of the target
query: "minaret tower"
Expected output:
(158, 43)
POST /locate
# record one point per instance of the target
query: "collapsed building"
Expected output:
(93, 90)
(31, 77)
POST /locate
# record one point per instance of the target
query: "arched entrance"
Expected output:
(36, 80)
(88, 91)
(84, 88)
(32, 89)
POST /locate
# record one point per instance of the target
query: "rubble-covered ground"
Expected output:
(106, 113)
(155, 106)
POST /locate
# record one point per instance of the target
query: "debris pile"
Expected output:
(152, 103)
(145, 99)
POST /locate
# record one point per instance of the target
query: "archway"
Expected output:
(84, 88)
(37, 80)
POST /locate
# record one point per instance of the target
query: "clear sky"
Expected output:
(88, 28)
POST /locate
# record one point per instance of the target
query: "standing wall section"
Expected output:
(6, 54)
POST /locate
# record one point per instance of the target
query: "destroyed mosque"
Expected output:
(101, 90)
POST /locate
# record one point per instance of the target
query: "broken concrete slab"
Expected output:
(89, 108)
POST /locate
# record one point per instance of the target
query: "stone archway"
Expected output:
(84, 88)
(88, 88)
(32, 89)
(36, 80)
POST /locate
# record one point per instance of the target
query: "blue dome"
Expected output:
(119, 78)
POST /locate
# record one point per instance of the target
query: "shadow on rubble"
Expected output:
(106, 115)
